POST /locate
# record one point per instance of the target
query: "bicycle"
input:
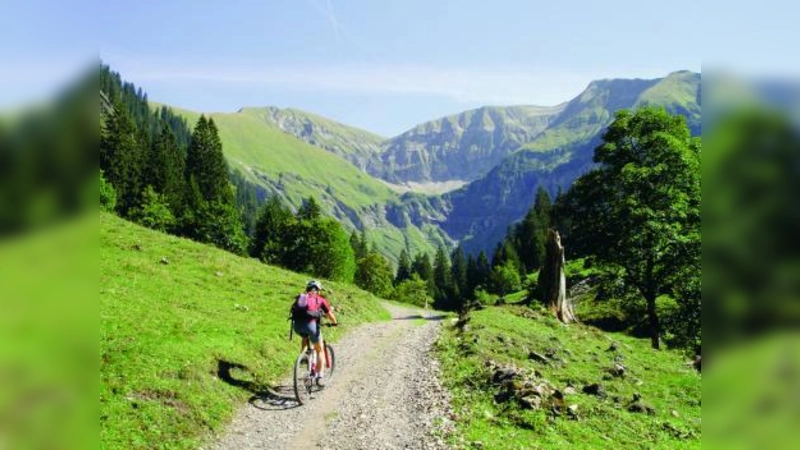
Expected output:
(305, 375)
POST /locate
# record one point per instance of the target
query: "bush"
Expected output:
(154, 212)
(413, 291)
(108, 195)
(505, 279)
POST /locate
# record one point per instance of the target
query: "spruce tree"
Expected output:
(445, 292)
(121, 158)
(459, 271)
(309, 210)
(424, 269)
(403, 268)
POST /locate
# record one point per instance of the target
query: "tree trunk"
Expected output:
(650, 296)
(553, 282)
(654, 324)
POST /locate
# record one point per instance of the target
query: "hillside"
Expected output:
(480, 213)
(355, 145)
(521, 380)
(189, 332)
(294, 170)
(463, 146)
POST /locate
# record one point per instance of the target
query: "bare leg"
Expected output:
(321, 361)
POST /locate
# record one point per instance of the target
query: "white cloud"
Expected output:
(512, 86)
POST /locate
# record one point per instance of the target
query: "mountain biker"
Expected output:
(310, 328)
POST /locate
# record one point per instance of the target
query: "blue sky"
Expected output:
(380, 65)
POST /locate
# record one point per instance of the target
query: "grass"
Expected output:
(507, 334)
(188, 333)
(279, 162)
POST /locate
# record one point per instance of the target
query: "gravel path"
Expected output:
(385, 394)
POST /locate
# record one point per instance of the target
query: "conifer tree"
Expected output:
(121, 158)
(424, 269)
(309, 210)
(403, 268)
(459, 272)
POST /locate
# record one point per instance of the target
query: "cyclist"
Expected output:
(309, 326)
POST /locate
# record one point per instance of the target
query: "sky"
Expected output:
(384, 66)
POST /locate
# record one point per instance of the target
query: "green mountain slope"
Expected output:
(189, 332)
(517, 378)
(480, 213)
(294, 170)
(355, 145)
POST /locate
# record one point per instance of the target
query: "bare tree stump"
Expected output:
(553, 282)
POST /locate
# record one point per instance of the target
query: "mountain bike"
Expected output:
(306, 378)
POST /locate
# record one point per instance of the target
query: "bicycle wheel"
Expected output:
(301, 380)
(330, 356)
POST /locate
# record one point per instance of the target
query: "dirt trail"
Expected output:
(385, 394)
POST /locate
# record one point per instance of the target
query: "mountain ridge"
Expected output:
(495, 156)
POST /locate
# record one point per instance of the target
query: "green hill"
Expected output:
(517, 377)
(358, 146)
(189, 332)
(286, 166)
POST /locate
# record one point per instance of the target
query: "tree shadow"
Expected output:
(420, 316)
(264, 397)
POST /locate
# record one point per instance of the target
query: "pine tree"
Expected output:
(309, 210)
(459, 272)
(206, 163)
(483, 268)
(424, 269)
(270, 232)
(121, 158)
(165, 170)
(442, 278)
(403, 268)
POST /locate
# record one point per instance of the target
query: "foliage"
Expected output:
(154, 212)
(219, 224)
(374, 274)
(273, 220)
(423, 268)
(403, 268)
(505, 279)
(108, 196)
(413, 290)
(640, 209)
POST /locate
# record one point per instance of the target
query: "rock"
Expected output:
(613, 347)
(532, 402)
(569, 390)
(219, 274)
(595, 389)
(164, 261)
(572, 412)
(617, 371)
(674, 413)
(533, 356)
(501, 375)
(638, 407)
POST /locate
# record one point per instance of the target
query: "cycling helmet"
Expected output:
(314, 284)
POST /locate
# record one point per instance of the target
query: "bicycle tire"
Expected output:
(301, 371)
(330, 355)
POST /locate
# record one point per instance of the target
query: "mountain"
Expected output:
(479, 214)
(292, 169)
(463, 146)
(498, 155)
(355, 145)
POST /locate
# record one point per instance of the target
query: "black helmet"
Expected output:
(314, 284)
